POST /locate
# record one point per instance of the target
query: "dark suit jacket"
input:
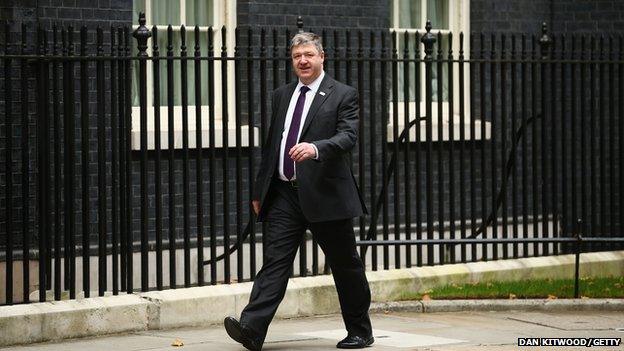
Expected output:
(327, 189)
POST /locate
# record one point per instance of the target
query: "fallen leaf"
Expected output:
(512, 296)
(426, 297)
(584, 297)
(177, 343)
(552, 297)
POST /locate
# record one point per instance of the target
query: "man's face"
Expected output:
(307, 62)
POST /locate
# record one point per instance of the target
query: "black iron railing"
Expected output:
(471, 147)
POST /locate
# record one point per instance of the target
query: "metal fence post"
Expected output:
(102, 174)
(43, 165)
(429, 40)
(544, 43)
(8, 100)
(299, 24)
(577, 250)
(158, 158)
(141, 34)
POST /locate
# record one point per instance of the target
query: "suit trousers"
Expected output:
(285, 228)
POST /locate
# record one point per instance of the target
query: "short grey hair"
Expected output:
(305, 38)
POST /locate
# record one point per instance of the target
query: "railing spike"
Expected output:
(299, 24)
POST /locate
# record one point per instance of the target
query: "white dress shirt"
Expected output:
(314, 86)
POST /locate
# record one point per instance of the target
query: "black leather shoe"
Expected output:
(355, 342)
(241, 335)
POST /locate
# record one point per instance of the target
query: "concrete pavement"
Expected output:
(394, 330)
(305, 296)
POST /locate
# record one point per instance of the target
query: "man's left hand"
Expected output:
(302, 151)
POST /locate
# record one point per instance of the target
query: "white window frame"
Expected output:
(459, 21)
(224, 13)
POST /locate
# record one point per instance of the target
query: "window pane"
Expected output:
(190, 65)
(162, 47)
(135, 76)
(199, 12)
(401, 66)
(409, 13)
(165, 12)
(203, 48)
(434, 70)
(437, 13)
(139, 6)
(436, 82)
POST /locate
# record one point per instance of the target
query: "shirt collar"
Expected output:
(314, 86)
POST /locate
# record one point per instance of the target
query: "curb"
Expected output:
(543, 305)
(58, 320)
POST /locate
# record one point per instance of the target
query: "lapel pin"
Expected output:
(322, 93)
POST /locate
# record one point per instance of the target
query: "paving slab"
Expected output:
(394, 330)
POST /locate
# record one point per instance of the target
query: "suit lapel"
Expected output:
(325, 89)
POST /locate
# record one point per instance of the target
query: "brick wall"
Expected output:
(508, 15)
(316, 13)
(563, 16)
(93, 13)
(573, 16)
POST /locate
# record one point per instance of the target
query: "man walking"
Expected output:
(305, 182)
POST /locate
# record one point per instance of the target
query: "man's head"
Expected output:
(307, 56)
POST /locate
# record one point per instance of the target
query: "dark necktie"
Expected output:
(293, 132)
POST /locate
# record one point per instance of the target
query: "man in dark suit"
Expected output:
(305, 182)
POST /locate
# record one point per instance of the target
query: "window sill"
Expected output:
(445, 131)
(446, 127)
(192, 138)
(192, 131)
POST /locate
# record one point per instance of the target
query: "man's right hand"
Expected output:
(256, 206)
